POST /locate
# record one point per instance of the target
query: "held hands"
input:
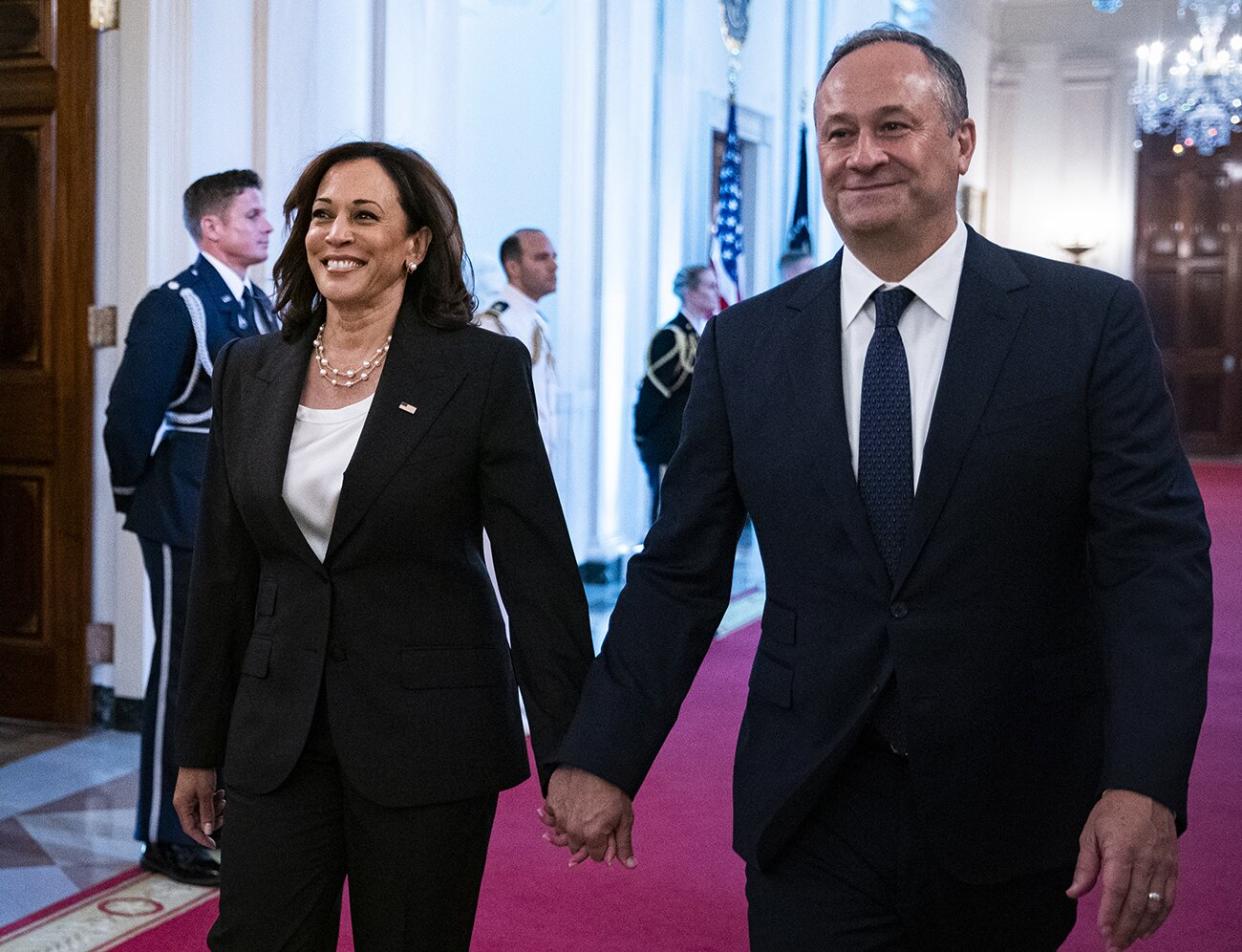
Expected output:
(1129, 843)
(199, 805)
(589, 816)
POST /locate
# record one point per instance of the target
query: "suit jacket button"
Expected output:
(898, 610)
(336, 652)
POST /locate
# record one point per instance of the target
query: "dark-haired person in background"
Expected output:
(345, 664)
(665, 386)
(983, 663)
(163, 389)
(794, 263)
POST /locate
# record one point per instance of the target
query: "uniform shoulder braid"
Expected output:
(491, 315)
(670, 360)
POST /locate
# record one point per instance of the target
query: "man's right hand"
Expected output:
(590, 816)
(199, 805)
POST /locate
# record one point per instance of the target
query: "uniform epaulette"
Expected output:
(492, 315)
(187, 278)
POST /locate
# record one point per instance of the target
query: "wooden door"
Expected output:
(1189, 265)
(47, 202)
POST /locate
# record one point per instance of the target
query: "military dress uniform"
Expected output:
(155, 435)
(662, 397)
(514, 314)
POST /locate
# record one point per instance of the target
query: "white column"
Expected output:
(421, 107)
(317, 87)
(221, 99)
(626, 276)
(150, 128)
(1004, 100)
(579, 287)
(1089, 138)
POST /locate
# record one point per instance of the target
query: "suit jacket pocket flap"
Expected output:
(258, 653)
(772, 680)
(423, 668)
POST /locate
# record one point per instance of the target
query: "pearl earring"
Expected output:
(411, 266)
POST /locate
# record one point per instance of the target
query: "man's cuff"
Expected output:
(122, 498)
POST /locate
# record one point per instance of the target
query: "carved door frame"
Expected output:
(47, 170)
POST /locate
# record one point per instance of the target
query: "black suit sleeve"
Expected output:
(159, 352)
(223, 585)
(1148, 545)
(549, 625)
(676, 592)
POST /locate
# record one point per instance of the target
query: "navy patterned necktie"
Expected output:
(253, 312)
(247, 308)
(885, 456)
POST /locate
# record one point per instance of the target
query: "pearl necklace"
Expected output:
(348, 377)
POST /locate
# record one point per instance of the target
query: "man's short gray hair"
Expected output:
(687, 280)
(948, 73)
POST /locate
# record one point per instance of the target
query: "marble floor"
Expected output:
(67, 795)
(66, 816)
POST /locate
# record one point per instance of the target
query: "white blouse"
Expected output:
(323, 444)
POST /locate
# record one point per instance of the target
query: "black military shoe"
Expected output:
(191, 865)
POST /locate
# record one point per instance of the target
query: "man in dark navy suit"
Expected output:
(665, 386)
(983, 663)
(159, 411)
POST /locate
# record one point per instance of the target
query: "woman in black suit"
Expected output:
(345, 664)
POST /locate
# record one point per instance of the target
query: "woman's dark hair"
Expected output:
(437, 290)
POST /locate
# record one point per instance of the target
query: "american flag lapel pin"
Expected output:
(407, 407)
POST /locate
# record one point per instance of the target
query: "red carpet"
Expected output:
(687, 894)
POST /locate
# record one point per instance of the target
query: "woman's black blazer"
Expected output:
(399, 622)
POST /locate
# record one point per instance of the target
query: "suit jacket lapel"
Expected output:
(813, 358)
(985, 320)
(285, 373)
(420, 373)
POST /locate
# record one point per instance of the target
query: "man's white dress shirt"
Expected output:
(924, 330)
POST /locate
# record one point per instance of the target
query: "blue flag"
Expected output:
(798, 238)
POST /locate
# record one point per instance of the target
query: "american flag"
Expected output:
(727, 248)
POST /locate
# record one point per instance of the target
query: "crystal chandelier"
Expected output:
(1199, 99)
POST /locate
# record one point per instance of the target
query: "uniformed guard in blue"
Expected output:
(159, 411)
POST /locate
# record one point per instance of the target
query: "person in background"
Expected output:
(794, 263)
(155, 436)
(665, 386)
(983, 661)
(529, 262)
(345, 669)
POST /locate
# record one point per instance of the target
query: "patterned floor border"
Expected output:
(104, 916)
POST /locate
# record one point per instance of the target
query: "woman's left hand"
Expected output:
(199, 805)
